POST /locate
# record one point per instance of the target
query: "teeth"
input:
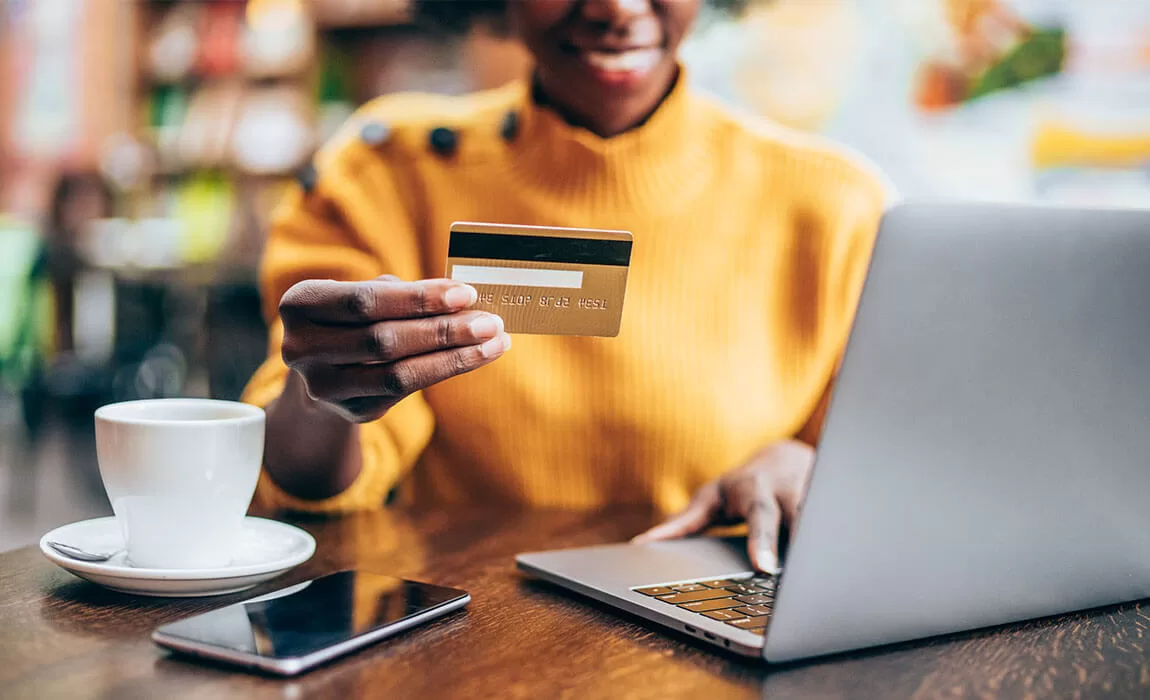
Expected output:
(635, 60)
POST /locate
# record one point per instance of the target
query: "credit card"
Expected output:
(544, 280)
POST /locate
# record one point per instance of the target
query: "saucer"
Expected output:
(265, 549)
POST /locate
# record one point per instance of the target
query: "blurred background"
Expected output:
(143, 144)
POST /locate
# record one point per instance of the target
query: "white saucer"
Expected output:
(265, 550)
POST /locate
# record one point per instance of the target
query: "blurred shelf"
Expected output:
(215, 274)
(334, 15)
(226, 173)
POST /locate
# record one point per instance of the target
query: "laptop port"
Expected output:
(709, 636)
(689, 628)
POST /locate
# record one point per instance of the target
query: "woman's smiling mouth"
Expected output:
(620, 66)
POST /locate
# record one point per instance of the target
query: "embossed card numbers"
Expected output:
(544, 280)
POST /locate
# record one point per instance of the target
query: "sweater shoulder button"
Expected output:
(374, 133)
(306, 177)
(443, 140)
(509, 128)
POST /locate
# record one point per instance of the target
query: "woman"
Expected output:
(750, 248)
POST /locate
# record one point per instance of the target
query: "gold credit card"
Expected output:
(544, 280)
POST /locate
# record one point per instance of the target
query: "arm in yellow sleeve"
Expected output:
(858, 203)
(339, 230)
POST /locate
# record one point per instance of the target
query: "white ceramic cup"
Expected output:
(180, 474)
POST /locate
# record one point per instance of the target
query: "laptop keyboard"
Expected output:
(745, 602)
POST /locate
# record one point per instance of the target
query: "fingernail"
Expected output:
(767, 561)
(496, 346)
(486, 326)
(460, 296)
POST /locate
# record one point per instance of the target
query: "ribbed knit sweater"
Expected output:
(750, 247)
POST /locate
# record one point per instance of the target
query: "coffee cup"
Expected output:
(180, 474)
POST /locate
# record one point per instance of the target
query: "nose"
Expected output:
(612, 12)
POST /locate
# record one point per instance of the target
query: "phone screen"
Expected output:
(312, 616)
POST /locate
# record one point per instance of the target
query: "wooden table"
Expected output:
(61, 637)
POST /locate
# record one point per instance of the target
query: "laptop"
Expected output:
(985, 458)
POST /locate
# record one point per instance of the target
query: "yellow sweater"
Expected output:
(750, 246)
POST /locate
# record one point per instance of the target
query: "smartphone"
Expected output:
(299, 627)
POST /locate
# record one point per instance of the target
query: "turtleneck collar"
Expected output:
(654, 164)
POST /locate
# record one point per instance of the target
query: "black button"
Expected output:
(443, 140)
(374, 133)
(307, 177)
(510, 126)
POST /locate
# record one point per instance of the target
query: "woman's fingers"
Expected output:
(790, 500)
(696, 516)
(765, 492)
(360, 303)
(763, 534)
(388, 341)
(395, 380)
(750, 494)
(799, 460)
(416, 373)
(361, 347)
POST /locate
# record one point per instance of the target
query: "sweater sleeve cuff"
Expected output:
(387, 447)
(365, 492)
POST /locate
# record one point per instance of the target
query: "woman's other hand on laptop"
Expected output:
(765, 492)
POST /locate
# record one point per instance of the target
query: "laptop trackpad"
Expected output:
(622, 566)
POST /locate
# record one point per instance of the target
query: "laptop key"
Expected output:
(705, 605)
(654, 590)
(753, 610)
(762, 581)
(705, 594)
(724, 615)
(756, 599)
(750, 623)
(719, 583)
(688, 587)
(743, 589)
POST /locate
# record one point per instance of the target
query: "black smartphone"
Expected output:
(296, 628)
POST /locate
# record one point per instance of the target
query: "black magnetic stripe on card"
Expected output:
(577, 251)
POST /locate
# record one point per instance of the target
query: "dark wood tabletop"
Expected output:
(62, 637)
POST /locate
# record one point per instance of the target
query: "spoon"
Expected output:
(80, 554)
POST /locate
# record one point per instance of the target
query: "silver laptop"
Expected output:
(986, 456)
